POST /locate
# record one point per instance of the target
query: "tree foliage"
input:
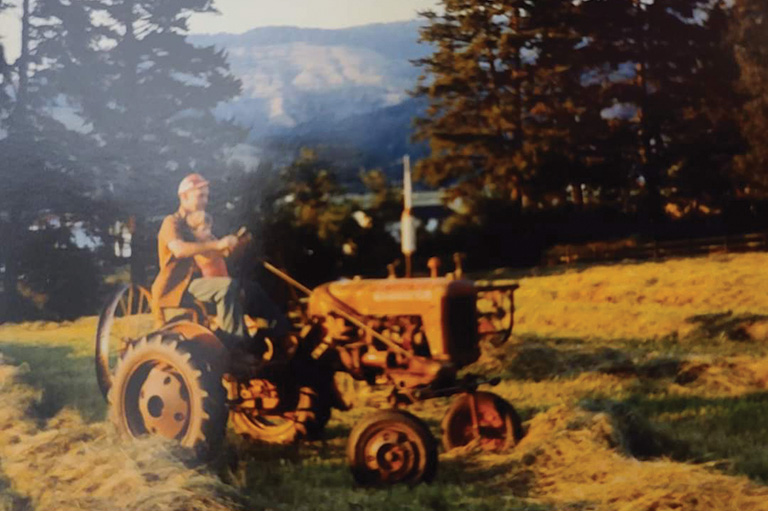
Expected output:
(529, 99)
(44, 170)
(150, 95)
(304, 221)
(750, 40)
(104, 112)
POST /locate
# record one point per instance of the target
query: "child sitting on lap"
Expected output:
(211, 264)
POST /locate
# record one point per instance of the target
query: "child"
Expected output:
(211, 264)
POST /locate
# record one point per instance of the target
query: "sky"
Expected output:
(241, 15)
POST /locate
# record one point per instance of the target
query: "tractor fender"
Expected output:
(207, 345)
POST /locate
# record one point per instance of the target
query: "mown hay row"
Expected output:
(71, 465)
(577, 457)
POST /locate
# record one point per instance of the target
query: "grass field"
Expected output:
(643, 386)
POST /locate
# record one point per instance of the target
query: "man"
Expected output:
(177, 246)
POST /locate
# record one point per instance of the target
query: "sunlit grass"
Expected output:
(667, 362)
(651, 300)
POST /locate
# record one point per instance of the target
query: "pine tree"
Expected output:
(476, 82)
(41, 168)
(535, 97)
(149, 101)
(675, 135)
(556, 102)
(154, 112)
(750, 40)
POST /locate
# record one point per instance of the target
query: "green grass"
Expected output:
(731, 430)
(314, 476)
(65, 378)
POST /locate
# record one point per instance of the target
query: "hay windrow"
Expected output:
(576, 456)
(71, 465)
(721, 376)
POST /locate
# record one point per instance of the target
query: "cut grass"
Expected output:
(680, 345)
(651, 300)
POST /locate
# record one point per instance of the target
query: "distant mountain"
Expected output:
(376, 139)
(297, 76)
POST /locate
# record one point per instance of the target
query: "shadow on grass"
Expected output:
(539, 361)
(66, 380)
(10, 500)
(733, 430)
(315, 475)
(275, 478)
(724, 325)
(512, 477)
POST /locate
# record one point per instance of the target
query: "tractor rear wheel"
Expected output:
(392, 447)
(159, 388)
(484, 418)
(124, 320)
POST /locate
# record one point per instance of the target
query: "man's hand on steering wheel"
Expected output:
(227, 243)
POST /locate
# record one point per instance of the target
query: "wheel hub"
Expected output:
(164, 402)
(390, 453)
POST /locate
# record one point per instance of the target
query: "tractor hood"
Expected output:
(375, 297)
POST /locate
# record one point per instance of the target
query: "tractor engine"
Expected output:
(411, 331)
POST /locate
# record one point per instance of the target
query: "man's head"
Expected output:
(201, 223)
(193, 193)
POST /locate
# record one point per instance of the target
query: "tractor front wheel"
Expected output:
(481, 418)
(392, 447)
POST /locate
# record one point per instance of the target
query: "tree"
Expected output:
(530, 98)
(476, 81)
(148, 103)
(750, 40)
(41, 169)
(299, 212)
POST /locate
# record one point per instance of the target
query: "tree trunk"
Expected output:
(10, 307)
(577, 195)
(12, 227)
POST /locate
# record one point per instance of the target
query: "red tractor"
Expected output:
(409, 334)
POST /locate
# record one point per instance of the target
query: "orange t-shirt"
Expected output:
(211, 265)
(175, 273)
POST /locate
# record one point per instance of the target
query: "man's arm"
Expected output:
(171, 231)
(181, 249)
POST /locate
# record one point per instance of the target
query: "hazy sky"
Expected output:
(240, 15)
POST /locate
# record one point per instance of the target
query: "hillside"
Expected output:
(642, 386)
(297, 75)
(344, 90)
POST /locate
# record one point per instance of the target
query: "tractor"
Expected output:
(174, 377)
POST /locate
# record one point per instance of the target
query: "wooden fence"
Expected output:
(618, 251)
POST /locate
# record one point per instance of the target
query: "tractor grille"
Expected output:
(461, 315)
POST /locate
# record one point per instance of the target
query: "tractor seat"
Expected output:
(190, 309)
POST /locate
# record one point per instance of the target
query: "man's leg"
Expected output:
(222, 291)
